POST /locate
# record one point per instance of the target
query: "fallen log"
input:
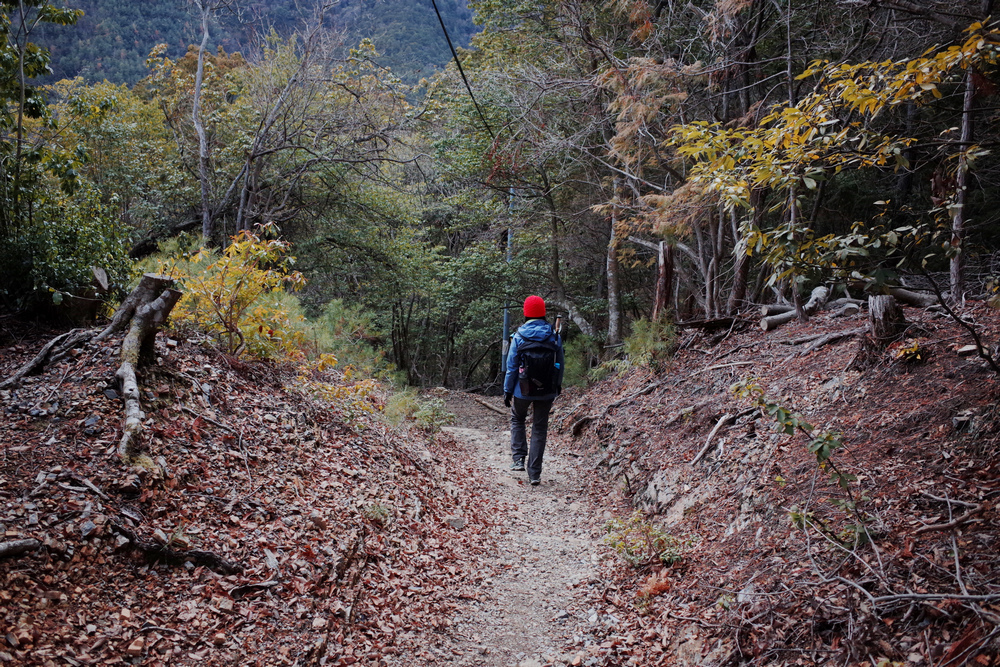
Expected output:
(831, 338)
(137, 348)
(847, 310)
(725, 419)
(18, 547)
(775, 309)
(490, 406)
(57, 348)
(910, 298)
(51, 352)
(817, 299)
(844, 301)
(579, 425)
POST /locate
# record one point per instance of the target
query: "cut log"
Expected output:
(817, 299)
(918, 299)
(775, 309)
(136, 348)
(18, 547)
(847, 310)
(774, 321)
(885, 319)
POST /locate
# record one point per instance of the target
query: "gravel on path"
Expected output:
(530, 611)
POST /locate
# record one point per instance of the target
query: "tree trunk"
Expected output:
(885, 319)
(614, 301)
(664, 278)
(961, 190)
(149, 287)
(199, 127)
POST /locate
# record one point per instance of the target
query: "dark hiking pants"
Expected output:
(539, 431)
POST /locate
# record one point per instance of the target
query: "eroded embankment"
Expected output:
(781, 565)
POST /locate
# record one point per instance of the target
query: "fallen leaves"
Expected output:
(199, 562)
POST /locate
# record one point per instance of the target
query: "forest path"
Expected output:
(525, 615)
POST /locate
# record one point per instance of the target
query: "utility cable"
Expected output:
(462, 71)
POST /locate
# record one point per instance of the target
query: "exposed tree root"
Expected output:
(53, 351)
(164, 553)
(18, 547)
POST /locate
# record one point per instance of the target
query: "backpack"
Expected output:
(536, 372)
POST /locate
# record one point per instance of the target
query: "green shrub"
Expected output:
(52, 254)
(350, 334)
(429, 414)
(432, 415)
(651, 343)
(579, 353)
(640, 543)
(401, 406)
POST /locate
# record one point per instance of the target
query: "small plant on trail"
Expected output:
(432, 415)
(822, 444)
(429, 415)
(237, 297)
(378, 514)
(640, 543)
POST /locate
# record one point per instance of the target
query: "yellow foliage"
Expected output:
(236, 297)
(319, 379)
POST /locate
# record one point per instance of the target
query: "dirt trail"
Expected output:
(548, 551)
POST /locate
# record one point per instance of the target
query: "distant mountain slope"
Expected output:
(113, 38)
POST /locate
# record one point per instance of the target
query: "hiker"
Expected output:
(533, 380)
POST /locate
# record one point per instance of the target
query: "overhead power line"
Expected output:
(461, 71)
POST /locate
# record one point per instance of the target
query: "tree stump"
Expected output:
(151, 286)
(886, 320)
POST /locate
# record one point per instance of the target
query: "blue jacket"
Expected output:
(537, 330)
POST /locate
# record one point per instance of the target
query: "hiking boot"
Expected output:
(534, 482)
(517, 465)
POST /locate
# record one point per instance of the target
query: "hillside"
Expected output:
(113, 39)
(295, 530)
(780, 564)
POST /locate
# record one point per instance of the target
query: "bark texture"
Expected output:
(885, 319)
(136, 348)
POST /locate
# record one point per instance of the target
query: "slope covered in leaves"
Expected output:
(780, 564)
(282, 530)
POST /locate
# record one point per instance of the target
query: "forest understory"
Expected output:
(271, 528)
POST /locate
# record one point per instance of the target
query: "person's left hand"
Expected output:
(506, 399)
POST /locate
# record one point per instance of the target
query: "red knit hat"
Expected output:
(534, 306)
